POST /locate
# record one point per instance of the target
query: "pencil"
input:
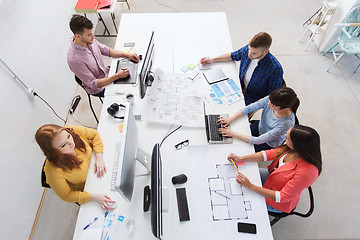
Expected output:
(130, 49)
(235, 165)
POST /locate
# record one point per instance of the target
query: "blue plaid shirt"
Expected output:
(267, 75)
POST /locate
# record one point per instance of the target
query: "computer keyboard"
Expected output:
(182, 204)
(116, 166)
(214, 128)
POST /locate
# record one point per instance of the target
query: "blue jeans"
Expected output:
(264, 174)
(255, 133)
(100, 94)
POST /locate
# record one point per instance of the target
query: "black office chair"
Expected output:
(78, 81)
(278, 216)
(43, 178)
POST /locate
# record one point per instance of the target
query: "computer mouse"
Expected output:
(113, 205)
(134, 61)
(179, 179)
(130, 225)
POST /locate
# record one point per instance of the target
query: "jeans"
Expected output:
(100, 94)
(264, 174)
(255, 132)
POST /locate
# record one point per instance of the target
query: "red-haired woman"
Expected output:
(68, 153)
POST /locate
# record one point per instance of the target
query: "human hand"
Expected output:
(235, 158)
(224, 121)
(99, 166)
(226, 132)
(243, 180)
(205, 60)
(123, 73)
(134, 57)
(103, 200)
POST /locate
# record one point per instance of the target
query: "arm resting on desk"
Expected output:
(255, 157)
(222, 58)
(244, 181)
(116, 54)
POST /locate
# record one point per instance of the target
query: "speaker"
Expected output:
(113, 109)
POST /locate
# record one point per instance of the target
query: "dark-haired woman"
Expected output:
(68, 153)
(278, 116)
(296, 165)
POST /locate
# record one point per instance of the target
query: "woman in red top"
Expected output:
(296, 165)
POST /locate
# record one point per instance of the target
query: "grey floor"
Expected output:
(329, 103)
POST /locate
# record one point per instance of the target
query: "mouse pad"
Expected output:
(133, 72)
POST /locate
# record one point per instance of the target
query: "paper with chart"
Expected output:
(224, 93)
(216, 201)
(175, 99)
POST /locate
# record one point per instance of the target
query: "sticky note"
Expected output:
(191, 66)
(184, 69)
(121, 127)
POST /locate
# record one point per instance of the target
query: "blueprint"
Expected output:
(175, 99)
(227, 196)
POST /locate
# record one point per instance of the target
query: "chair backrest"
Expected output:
(43, 177)
(312, 206)
(278, 216)
(350, 32)
(78, 81)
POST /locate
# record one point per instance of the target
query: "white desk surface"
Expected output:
(179, 40)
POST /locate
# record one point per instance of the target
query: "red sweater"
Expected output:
(290, 180)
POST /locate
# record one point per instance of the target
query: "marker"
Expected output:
(235, 165)
(222, 195)
(96, 218)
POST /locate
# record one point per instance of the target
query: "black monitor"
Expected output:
(153, 196)
(146, 76)
(156, 192)
(129, 153)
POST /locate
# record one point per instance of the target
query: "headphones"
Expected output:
(112, 110)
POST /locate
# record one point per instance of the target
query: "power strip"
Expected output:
(75, 104)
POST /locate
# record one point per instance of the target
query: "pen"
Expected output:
(235, 165)
(222, 195)
(96, 218)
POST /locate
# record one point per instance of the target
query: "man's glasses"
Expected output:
(183, 143)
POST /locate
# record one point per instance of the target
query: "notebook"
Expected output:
(214, 76)
(87, 6)
(133, 68)
(212, 129)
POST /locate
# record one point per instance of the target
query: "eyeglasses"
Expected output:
(183, 143)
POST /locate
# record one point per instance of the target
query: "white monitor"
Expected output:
(129, 153)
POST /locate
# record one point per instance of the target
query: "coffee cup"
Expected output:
(130, 98)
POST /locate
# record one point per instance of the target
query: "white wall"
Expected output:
(33, 42)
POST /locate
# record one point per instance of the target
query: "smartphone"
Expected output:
(246, 227)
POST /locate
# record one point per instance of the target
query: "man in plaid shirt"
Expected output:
(260, 72)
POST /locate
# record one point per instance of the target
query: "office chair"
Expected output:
(349, 40)
(278, 216)
(44, 183)
(78, 81)
(43, 178)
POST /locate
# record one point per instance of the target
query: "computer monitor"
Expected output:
(146, 77)
(156, 192)
(129, 153)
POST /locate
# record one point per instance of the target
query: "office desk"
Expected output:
(179, 40)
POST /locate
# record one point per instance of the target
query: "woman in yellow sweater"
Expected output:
(68, 153)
